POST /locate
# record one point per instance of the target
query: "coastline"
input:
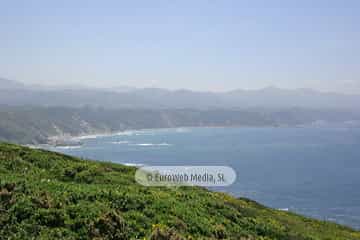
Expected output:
(131, 131)
(67, 140)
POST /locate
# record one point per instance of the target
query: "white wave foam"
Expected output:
(68, 147)
(284, 209)
(40, 146)
(144, 144)
(164, 144)
(144, 134)
(130, 133)
(182, 130)
(133, 164)
(125, 133)
(91, 136)
(151, 144)
(120, 142)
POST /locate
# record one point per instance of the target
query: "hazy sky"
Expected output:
(201, 45)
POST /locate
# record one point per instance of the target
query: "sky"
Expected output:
(200, 45)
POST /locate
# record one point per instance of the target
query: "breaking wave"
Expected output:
(151, 144)
(120, 142)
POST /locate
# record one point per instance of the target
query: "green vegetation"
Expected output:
(30, 124)
(46, 195)
(27, 125)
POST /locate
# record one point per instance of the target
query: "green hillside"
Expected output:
(46, 195)
(33, 125)
(28, 124)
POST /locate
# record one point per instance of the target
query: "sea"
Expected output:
(313, 171)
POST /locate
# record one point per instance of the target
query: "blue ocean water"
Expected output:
(311, 171)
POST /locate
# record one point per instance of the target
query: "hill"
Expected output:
(16, 94)
(47, 195)
(37, 124)
(10, 84)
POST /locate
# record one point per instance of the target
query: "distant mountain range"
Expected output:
(33, 114)
(15, 93)
(9, 84)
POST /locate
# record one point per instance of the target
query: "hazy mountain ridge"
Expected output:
(10, 84)
(32, 114)
(158, 98)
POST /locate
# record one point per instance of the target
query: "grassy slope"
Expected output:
(46, 195)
